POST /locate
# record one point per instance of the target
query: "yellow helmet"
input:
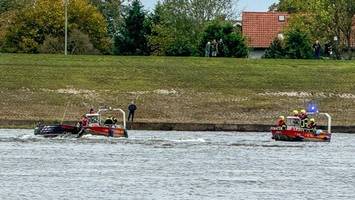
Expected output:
(312, 120)
(282, 117)
(303, 111)
(295, 112)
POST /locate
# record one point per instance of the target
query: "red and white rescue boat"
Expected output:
(294, 131)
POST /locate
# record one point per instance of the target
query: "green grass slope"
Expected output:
(169, 89)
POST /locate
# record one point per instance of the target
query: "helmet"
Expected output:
(312, 120)
(303, 111)
(295, 112)
(282, 117)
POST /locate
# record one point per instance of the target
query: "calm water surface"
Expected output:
(175, 165)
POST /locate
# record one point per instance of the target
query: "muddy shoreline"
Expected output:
(162, 126)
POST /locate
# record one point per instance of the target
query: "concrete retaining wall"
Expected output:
(176, 126)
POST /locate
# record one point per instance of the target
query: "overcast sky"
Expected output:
(244, 5)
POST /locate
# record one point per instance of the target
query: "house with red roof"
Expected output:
(261, 28)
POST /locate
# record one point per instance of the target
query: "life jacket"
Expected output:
(84, 122)
(312, 125)
(281, 122)
(304, 122)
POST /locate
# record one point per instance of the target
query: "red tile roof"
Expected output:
(261, 28)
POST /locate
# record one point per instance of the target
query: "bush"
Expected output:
(180, 49)
(78, 43)
(276, 49)
(230, 42)
(298, 44)
(52, 45)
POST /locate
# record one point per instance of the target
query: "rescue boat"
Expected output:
(294, 131)
(96, 126)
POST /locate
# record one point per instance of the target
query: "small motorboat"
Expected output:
(55, 130)
(95, 126)
(294, 131)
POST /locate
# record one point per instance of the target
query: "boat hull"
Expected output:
(107, 131)
(55, 130)
(300, 135)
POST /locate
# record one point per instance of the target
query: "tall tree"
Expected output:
(175, 31)
(8, 5)
(132, 38)
(112, 11)
(30, 27)
(207, 10)
(325, 19)
(342, 14)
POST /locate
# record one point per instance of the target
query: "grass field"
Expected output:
(169, 89)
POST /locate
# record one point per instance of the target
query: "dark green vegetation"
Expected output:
(173, 28)
(171, 89)
(322, 20)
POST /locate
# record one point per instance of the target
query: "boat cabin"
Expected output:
(94, 119)
(293, 122)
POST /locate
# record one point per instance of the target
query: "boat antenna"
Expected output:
(65, 112)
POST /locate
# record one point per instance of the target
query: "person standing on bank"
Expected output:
(317, 49)
(131, 108)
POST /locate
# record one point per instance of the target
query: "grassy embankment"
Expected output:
(204, 90)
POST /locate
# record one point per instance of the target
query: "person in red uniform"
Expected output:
(281, 122)
(84, 121)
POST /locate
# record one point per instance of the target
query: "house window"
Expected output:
(281, 18)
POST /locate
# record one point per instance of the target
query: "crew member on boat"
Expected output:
(312, 125)
(111, 120)
(84, 121)
(295, 113)
(304, 118)
(281, 123)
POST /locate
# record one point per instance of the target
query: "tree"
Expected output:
(342, 14)
(174, 31)
(230, 42)
(78, 43)
(207, 10)
(132, 38)
(112, 11)
(9, 5)
(298, 44)
(325, 19)
(31, 25)
(276, 49)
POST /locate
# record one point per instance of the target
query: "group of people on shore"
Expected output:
(214, 48)
(306, 123)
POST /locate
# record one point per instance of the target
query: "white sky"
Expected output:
(244, 5)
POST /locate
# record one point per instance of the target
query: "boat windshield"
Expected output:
(93, 119)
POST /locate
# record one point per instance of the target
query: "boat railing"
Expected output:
(114, 109)
(329, 119)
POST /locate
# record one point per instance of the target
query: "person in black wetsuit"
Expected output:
(131, 108)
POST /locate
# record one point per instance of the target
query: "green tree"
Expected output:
(174, 32)
(324, 19)
(132, 36)
(112, 11)
(229, 41)
(9, 5)
(276, 49)
(31, 25)
(298, 44)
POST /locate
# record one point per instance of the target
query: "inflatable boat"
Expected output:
(294, 132)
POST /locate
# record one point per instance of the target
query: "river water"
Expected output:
(175, 165)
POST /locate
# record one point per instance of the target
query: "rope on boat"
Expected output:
(65, 112)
